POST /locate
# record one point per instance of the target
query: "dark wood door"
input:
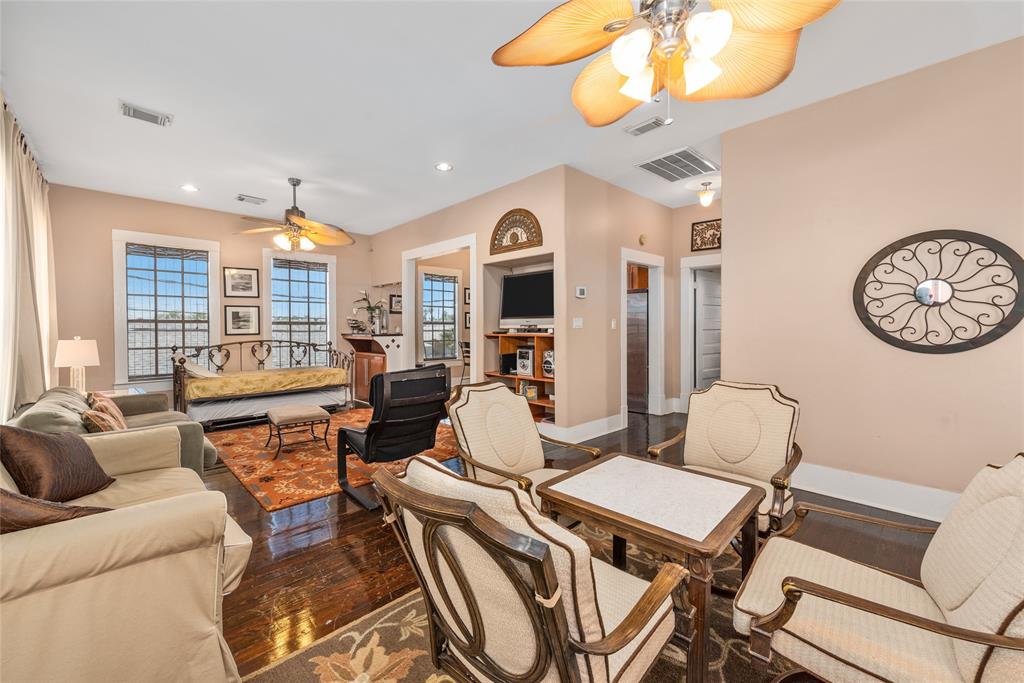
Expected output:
(366, 366)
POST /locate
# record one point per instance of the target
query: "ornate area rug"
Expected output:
(305, 471)
(391, 644)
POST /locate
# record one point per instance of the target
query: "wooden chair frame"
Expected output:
(794, 588)
(527, 565)
(522, 482)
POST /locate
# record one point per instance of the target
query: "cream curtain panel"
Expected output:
(28, 311)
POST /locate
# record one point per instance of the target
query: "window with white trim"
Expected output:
(299, 307)
(438, 316)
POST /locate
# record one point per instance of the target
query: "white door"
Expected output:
(707, 328)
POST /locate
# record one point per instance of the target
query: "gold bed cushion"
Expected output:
(237, 384)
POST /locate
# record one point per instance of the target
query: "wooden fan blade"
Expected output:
(333, 237)
(752, 64)
(774, 16)
(567, 33)
(256, 219)
(255, 231)
(596, 92)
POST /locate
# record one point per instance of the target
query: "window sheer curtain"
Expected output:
(28, 311)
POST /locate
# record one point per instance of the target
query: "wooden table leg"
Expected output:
(619, 552)
(699, 594)
(749, 540)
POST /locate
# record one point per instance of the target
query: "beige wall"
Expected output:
(812, 195)
(83, 259)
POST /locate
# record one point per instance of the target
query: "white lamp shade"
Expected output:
(699, 73)
(630, 51)
(708, 32)
(283, 242)
(76, 353)
(306, 244)
(706, 197)
(639, 85)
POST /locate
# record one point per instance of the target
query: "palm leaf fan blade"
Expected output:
(571, 31)
(256, 231)
(774, 16)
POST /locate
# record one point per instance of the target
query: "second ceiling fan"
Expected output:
(296, 232)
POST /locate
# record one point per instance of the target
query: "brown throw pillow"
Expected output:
(105, 404)
(55, 467)
(95, 421)
(19, 512)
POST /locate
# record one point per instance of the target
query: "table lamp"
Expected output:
(77, 354)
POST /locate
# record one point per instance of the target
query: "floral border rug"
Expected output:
(305, 471)
(391, 644)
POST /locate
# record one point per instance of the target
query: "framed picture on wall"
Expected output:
(706, 235)
(395, 303)
(465, 295)
(242, 320)
(242, 283)
(465, 319)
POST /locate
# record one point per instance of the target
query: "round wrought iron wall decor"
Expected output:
(941, 291)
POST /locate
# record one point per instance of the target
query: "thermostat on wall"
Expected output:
(581, 292)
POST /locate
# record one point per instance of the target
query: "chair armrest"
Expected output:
(138, 404)
(136, 450)
(645, 609)
(803, 509)
(522, 482)
(37, 559)
(656, 450)
(794, 588)
(589, 450)
(781, 479)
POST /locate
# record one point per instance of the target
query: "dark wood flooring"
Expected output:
(319, 565)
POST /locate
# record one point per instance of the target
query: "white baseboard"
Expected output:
(585, 431)
(888, 494)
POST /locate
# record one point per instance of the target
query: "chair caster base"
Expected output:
(363, 495)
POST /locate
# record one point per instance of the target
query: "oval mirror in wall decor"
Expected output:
(941, 291)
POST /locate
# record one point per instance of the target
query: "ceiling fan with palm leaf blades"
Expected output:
(740, 49)
(296, 232)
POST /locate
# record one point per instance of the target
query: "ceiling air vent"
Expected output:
(249, 199)
(147, 115)
(685, 163)
(646, 126)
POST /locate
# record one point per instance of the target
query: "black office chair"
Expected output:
(407, 407)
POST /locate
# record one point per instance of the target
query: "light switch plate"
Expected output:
(614, 323)
(577, 323)
(581, 292)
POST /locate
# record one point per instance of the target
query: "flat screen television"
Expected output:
(528, 299)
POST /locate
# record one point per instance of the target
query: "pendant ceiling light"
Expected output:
(742, 48)
(706, 194)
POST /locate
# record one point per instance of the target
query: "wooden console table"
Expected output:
(374, 353)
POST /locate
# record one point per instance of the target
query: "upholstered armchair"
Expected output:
(511, 595)
(498, 440)
(845, 621)
(744, 432)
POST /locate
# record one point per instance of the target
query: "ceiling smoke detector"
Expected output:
(249, 199)
(148, 115)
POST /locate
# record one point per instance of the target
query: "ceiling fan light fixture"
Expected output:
(283, 242)
(306, 244)
(708, 32)
(706, 196)
(699, 73)
(630, 51)
(639, 86)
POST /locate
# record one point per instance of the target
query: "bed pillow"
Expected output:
(192, 368)
(18, 511)
(54, 467)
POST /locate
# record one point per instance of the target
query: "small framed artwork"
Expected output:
(395, 303)
(242, 282)
(242, 320)
(465, 319)
(465, 295)
(706, 235)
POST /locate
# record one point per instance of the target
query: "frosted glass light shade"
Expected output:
(306, 244)
(639, 86)
(708, 32)
(629, 51)
(699, 73)
(77, 352)
(283, 242)
(706, 197)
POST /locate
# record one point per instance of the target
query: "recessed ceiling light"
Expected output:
(189, 187)
(443, 166)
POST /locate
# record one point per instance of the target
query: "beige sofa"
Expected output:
(133, 594)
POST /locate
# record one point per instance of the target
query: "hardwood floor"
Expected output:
(319, 565)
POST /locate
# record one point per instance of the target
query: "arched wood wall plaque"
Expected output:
(941, 291)
(517, 229)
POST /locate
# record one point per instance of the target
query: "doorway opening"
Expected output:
(637, 346)
(641, 333)
(701, 316)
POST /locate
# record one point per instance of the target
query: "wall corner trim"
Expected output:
(583, 431)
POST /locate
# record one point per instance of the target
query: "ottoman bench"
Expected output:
(296, 418)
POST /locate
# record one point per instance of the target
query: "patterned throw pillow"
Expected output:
(19, 512)
(54, 467)
(96, 421)
(105, 404)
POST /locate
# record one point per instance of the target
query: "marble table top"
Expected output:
(684, 503)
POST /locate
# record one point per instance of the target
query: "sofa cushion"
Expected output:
(57, 410)
(18, 512)
(164, 417)
(57, 467)
(143, 487)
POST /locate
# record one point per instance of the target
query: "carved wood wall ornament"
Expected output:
(517, 229)
(706, 235)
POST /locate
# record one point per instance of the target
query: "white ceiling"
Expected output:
(360, 99)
